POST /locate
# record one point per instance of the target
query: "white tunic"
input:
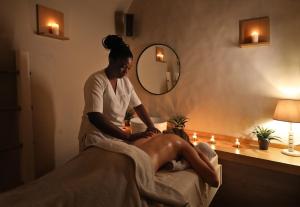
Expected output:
(99, 96)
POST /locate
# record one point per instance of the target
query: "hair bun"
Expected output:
(112, 41)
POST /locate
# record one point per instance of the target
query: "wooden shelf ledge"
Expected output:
(52, 36)
(245, 45)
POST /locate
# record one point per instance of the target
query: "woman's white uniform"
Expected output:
(99, 96)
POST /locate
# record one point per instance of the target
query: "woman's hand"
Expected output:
(139, 135)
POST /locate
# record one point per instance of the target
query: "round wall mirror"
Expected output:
(158, 69)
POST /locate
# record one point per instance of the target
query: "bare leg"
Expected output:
(165, 147)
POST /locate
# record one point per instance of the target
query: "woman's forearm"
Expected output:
(105, 126)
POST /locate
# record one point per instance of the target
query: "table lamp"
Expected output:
(288, 111)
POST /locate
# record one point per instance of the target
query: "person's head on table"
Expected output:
(120, 56)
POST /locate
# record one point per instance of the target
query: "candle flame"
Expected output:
(254, 33)
(237, 143)
(160, 55)
(53, 25)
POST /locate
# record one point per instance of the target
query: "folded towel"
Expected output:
(206, 149)
(176, 165)
(182, 164)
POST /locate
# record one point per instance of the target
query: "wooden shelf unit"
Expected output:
(10, 146)
(260, 25)
(253, 177)
(249, 154)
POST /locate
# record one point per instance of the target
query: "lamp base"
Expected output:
(294, 153)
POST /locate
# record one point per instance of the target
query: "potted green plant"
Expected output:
(178, 124)
(264, 135)
(128, 116)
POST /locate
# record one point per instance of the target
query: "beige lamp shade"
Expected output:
(287, 110)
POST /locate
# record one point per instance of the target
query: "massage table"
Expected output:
(112, 174)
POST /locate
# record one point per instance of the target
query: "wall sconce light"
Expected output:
(254, 32)
(160, 54)
(50, 22)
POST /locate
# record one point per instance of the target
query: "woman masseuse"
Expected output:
(107, 95)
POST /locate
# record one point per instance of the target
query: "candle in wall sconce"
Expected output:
(53, 28)
(50, 29)
(160, 57)
(254, 36)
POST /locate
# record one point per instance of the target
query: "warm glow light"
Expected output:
(254, 33)
(160, 56)
(213, 146)
(53, 28)
(288, 111)
(254, 36)
(237, 151)
(237, 143)
(212, 140)
(194, 136)
(290, 92)
(195, 143)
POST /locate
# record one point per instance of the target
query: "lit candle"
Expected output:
(55, 28)
(212, 140)
(160, 56)
(195, 143)
(213, 146)
(194, 136)
(50, 28)
(254, 36)
(237, 151)
(237, 143)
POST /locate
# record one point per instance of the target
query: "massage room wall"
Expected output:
(222, 88)
(60, 68)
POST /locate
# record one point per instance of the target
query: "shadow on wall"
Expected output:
(43, 127)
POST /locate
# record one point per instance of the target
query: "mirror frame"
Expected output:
(178, 63)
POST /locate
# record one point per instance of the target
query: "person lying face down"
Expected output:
(107, 95)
